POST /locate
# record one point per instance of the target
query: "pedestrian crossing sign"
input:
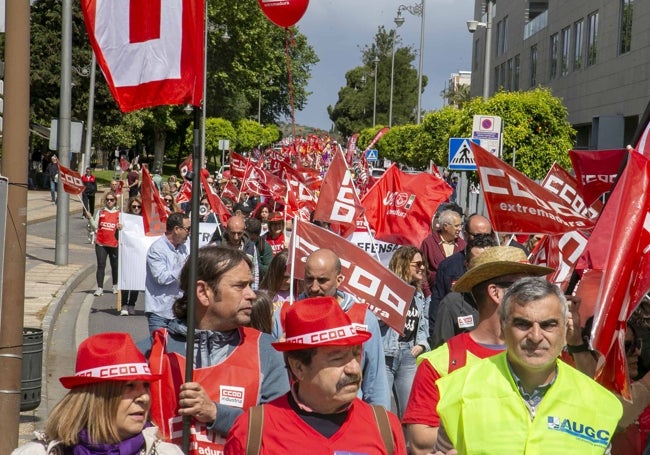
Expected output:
(461, 157)
(372, 155)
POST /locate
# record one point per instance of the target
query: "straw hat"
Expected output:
(109, 357)
(497, 261)
(319, 321)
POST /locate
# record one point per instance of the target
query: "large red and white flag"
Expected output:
(154, 210)
(301, 202)
(184, 193)
(596, 171)
(400, 206)
(71, 180)
(261, 182)
(150, 51)
(237, 165)
(338, 203)
(561, 253)
(565, 186)
(518, 204)
(387, 296)
(351, 148)
(230, 191)
(216, 204)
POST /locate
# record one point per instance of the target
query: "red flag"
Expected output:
(351, 148)
(237, 165)
(154, 210)
(184, 192)
(276, 160)
(596, 171)
(261, 182)
(518, 204)
(230, 191)
(216, 204)
(151, 52)
(71, 180)
(185, 166)
(626, 276)
(565, 186)
(387, 296)
(400, 206)
(124, 164)
(375, 139)
(300, 200)
(308, 176)
(561, 253)
(338, 203)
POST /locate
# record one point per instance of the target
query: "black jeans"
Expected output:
(102, 252)
(129, 297)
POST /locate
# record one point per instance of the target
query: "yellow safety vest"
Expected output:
(482, 412)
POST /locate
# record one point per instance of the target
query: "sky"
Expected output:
(339, 29)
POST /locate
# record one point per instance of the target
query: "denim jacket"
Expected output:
(390, 337)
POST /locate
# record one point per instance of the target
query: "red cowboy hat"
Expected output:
(109, 357)
(319, 321)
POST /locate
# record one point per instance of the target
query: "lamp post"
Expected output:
(225, 37)
(471, 27)
(392, 75)
(416, 10)
(374, 102)
(86, 71)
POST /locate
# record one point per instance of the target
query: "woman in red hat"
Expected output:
(106, 411)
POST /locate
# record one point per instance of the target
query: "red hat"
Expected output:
(275, 216)
(109, 357)
(319, 321)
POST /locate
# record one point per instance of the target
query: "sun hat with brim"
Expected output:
(497, 261)
(109, 357)
(275, 216)
(319, 321)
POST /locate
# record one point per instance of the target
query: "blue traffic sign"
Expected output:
(372, 155)
(461, 157)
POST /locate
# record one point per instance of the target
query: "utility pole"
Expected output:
(14, 167)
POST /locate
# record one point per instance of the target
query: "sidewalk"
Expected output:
(47, 287)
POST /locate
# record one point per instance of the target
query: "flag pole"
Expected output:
(296, 220)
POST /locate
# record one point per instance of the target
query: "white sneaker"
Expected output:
(115, 290)
(124, 312)
(98, 292)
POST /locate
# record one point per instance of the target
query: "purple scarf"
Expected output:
(131, 446)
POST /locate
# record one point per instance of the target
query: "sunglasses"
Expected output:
(631, 347)
(110, 199)
(417, 264)
(136, 206)
(167, 200)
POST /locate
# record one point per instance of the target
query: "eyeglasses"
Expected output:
(631, 347)
(168, 200)
(187, 229)
(418, 264)
(110, 199)
(136, 206)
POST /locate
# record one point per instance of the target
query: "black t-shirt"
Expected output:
(411, 324)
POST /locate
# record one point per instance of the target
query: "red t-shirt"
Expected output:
(424, 398)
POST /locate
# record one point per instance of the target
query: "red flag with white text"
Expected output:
(237, 165)
(185, 166)
(561, 253)
(596, 171)
(151, 52)
(386, 295)
(154, 209)
(301, 201)
(626, 275)
(375, 139)
(518, 204)
(351, 148)
(230, 191)
(216, 204)
(71, 180)
(565, 186)
(261, 182)
(184, 193)
(338, 203)
(400, 206)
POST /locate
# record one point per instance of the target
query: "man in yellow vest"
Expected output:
(525, 400)
(487, 279)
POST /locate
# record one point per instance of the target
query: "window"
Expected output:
(502, 36)
(577, 44)
(592, 38)
(515, 76)
(509, 72)
(566, 45)
(533, 65)
(625, 33)
(476, 55)
(553, 49)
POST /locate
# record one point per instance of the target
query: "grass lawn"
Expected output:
(104, 177)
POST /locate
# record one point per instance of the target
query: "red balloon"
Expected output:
(284, 13)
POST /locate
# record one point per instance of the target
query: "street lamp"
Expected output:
(416, 10)
(87, 71)
(374, 102)
(225, 37)
(392, 74)
(471, 27)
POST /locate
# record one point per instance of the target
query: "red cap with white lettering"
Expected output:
(109, 357)
(319, 321)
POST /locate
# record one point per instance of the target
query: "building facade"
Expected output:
(594, 54)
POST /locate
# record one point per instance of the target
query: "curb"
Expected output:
(49, 320)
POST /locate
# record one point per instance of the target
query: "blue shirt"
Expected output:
(162, 286)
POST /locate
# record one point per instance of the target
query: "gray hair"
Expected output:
(530, 289)
(448, 217)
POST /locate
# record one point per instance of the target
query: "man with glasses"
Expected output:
(489, 276)
(165, 259)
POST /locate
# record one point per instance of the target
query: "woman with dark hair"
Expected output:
(107, 408)
(106, 223)
(402, 350)
(262, 212)
(277, 280)
(262, 313)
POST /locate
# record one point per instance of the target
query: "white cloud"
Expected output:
(338, 29)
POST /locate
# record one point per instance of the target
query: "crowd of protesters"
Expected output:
(486, 361)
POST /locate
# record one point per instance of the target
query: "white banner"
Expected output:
(134, 246)
(365, 242)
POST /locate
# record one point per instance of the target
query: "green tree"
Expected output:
(457, 97)
(354, 108)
